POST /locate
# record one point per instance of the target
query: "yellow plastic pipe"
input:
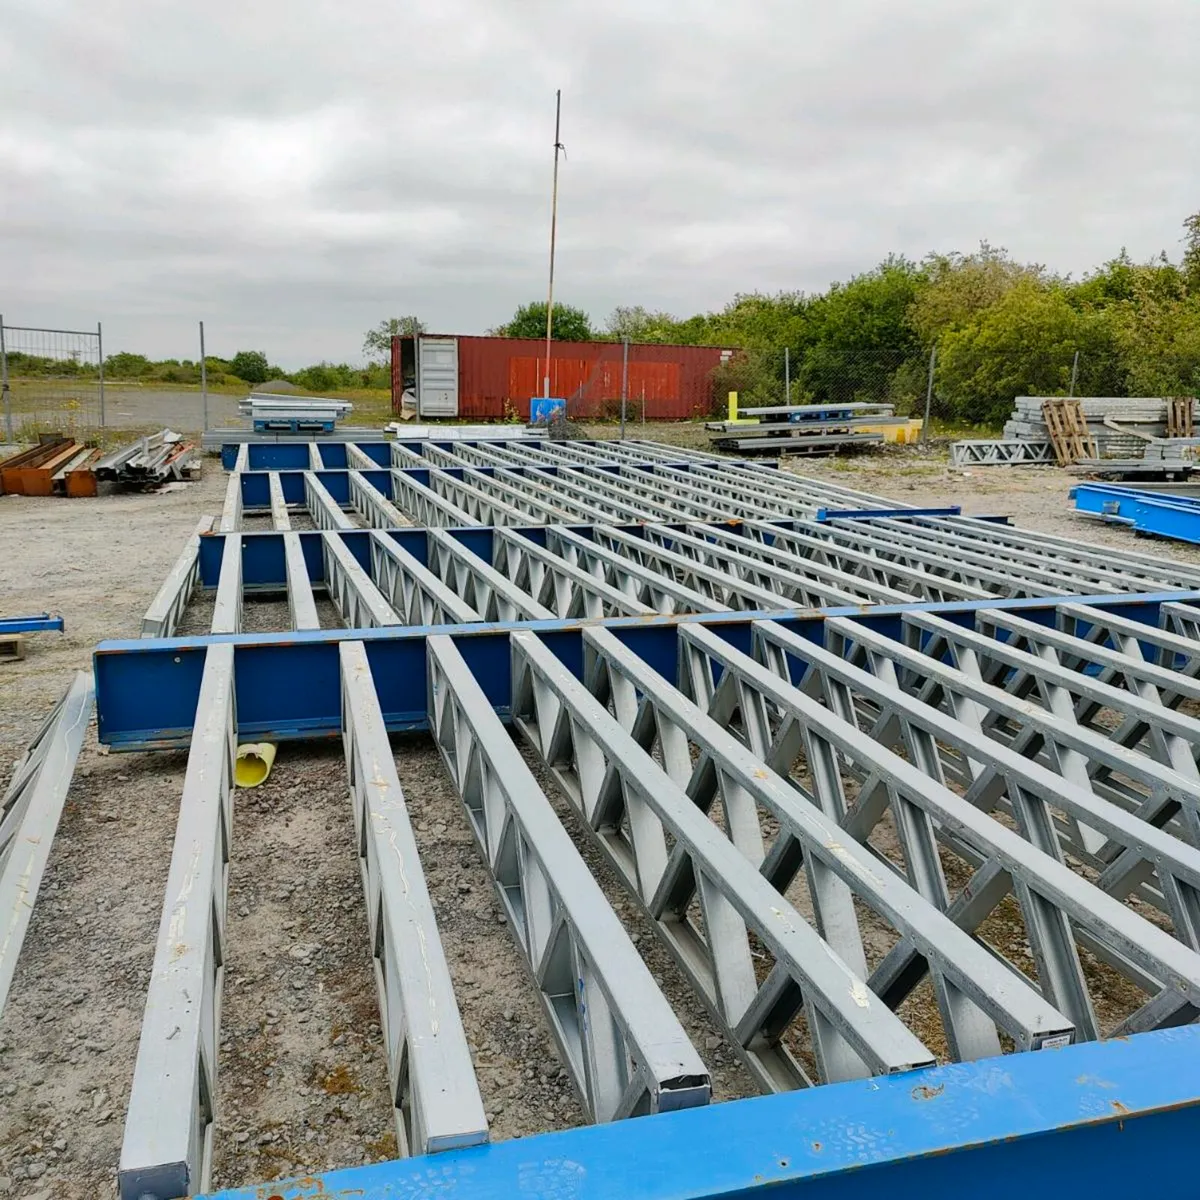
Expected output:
(733, 406)
(253, 764)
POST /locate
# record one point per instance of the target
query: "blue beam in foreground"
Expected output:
(1157, 513)
(1118, 1118)
(288, 684)
(37, 623)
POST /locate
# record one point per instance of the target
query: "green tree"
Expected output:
(127, 366)
(1191, 252)
(857, 337)
(250, 365)
(529, 321)
(958, 287)
(1024, 344)
(638, 324)
(377, 344)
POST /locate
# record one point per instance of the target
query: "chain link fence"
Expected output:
(964, 388)
(51, 380)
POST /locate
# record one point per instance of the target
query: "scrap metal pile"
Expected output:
(63, 466)
(893, 786)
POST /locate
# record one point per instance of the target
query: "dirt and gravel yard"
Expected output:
(303, 1072)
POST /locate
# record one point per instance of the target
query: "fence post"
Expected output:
(203, 378)
(624, 381)
(929, 395)
(8, 425)
(787, 375)
(1074, 374)
(100, 355)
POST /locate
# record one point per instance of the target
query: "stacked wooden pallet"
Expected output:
(1120, 425)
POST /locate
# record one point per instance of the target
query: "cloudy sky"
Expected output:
(294, 172)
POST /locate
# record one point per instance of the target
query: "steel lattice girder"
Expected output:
(1029, 863)
(618, 1037)
(29, 814)
(966, 551)
(1000, 451)
(974, 991)
(432, 1081)
(630, 805)
(167, 1147)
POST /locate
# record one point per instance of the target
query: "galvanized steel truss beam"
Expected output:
(623, 1046)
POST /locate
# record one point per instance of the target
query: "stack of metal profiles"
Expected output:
(293, 413)
(912, 799)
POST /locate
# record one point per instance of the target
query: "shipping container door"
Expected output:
(437, 377)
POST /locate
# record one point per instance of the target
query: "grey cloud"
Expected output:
(294, 173)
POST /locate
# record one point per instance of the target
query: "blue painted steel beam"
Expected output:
(32, 624)
(1157, 513)
(287, 684)
(1113, 1118)
(263, 556)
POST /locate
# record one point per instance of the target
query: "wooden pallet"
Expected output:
(1179, 417)
(1068, 431)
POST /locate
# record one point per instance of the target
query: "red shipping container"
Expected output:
(497, 376)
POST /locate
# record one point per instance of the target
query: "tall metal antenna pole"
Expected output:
(553, 231)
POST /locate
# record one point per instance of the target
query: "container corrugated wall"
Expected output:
(498, 376)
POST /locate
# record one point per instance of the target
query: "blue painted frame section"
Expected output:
(1116, 1118)
(287, 683)
(37, 623)
(1157, 513)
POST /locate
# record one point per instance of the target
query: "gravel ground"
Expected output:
(303, 1074)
